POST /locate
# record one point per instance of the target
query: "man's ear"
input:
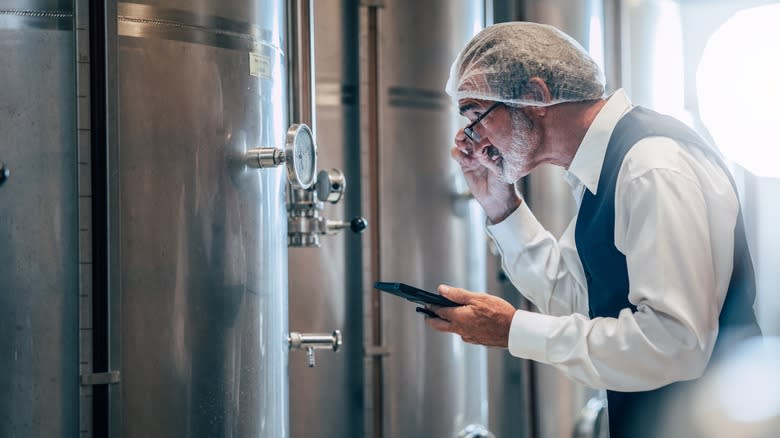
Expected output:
(537, 91)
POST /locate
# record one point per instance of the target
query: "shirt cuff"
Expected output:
(528, 335)
(519, 227)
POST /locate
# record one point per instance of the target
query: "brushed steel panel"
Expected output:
(266, 14)
(37, 6)
(39, 260)
(203, 257)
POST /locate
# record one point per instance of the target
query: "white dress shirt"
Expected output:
(675, 213)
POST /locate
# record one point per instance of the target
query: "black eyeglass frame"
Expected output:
(469, 129)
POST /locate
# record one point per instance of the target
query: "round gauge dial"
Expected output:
(301, 156)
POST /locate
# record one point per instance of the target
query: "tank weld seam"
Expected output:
(420, 98)
(36, 14)
(254, 38)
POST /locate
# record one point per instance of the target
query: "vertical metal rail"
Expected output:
(91, 134)
(372, 61)
(612, 45)
(300, 69)
(84, 144)
(300, 22)
(99, 165)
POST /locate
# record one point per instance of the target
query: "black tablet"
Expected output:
(413, 294)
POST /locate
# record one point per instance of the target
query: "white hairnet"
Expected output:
(498, 62)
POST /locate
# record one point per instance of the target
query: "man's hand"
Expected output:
(496, 197)
(482, 319)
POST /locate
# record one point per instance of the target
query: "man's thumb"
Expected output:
(455, 294)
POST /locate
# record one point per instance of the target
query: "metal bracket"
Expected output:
(376, 351)
(93, 379)
(372, 3)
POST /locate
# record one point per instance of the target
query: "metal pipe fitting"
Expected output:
(314, 341)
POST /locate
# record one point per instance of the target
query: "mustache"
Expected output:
(491, 152)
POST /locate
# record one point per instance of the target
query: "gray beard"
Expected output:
(514, 162)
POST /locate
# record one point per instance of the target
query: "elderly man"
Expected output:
(651, 276)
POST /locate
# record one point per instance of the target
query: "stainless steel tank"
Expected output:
(427, 232)
(39, 258)
(200, 240)
(325, 282)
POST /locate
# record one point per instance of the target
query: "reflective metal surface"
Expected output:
(39, 259)
(433, 384)
(201, 242)
(324, 283)
(40, 14)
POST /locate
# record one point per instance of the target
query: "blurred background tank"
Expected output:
(426, 230)
(39, 222)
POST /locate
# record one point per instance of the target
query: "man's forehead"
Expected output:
(469, 104)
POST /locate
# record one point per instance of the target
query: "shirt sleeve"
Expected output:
(678, 242)
(546, 271)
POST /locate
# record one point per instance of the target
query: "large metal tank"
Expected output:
(39, 259)
(325, 282)
(200, 240)
(425, 231)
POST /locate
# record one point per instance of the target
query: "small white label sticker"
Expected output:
(259, 65)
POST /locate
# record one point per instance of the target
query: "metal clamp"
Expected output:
(376, 351)
(313, 341)
(305, 225)
(93, 379)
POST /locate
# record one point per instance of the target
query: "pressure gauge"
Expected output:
(300, 156)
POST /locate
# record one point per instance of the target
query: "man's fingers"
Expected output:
(460, 296)
(485, 161)
(466, 160)
(439, 324)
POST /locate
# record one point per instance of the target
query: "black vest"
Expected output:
(633, 414)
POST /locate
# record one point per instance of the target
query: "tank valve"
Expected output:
(357, 225)
(305, 224)
(4, 173)
(313, 341)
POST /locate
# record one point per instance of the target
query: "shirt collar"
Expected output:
(589, 158)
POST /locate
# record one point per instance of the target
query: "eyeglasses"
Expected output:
(469, 129)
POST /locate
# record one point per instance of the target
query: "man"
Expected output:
(650, 276)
